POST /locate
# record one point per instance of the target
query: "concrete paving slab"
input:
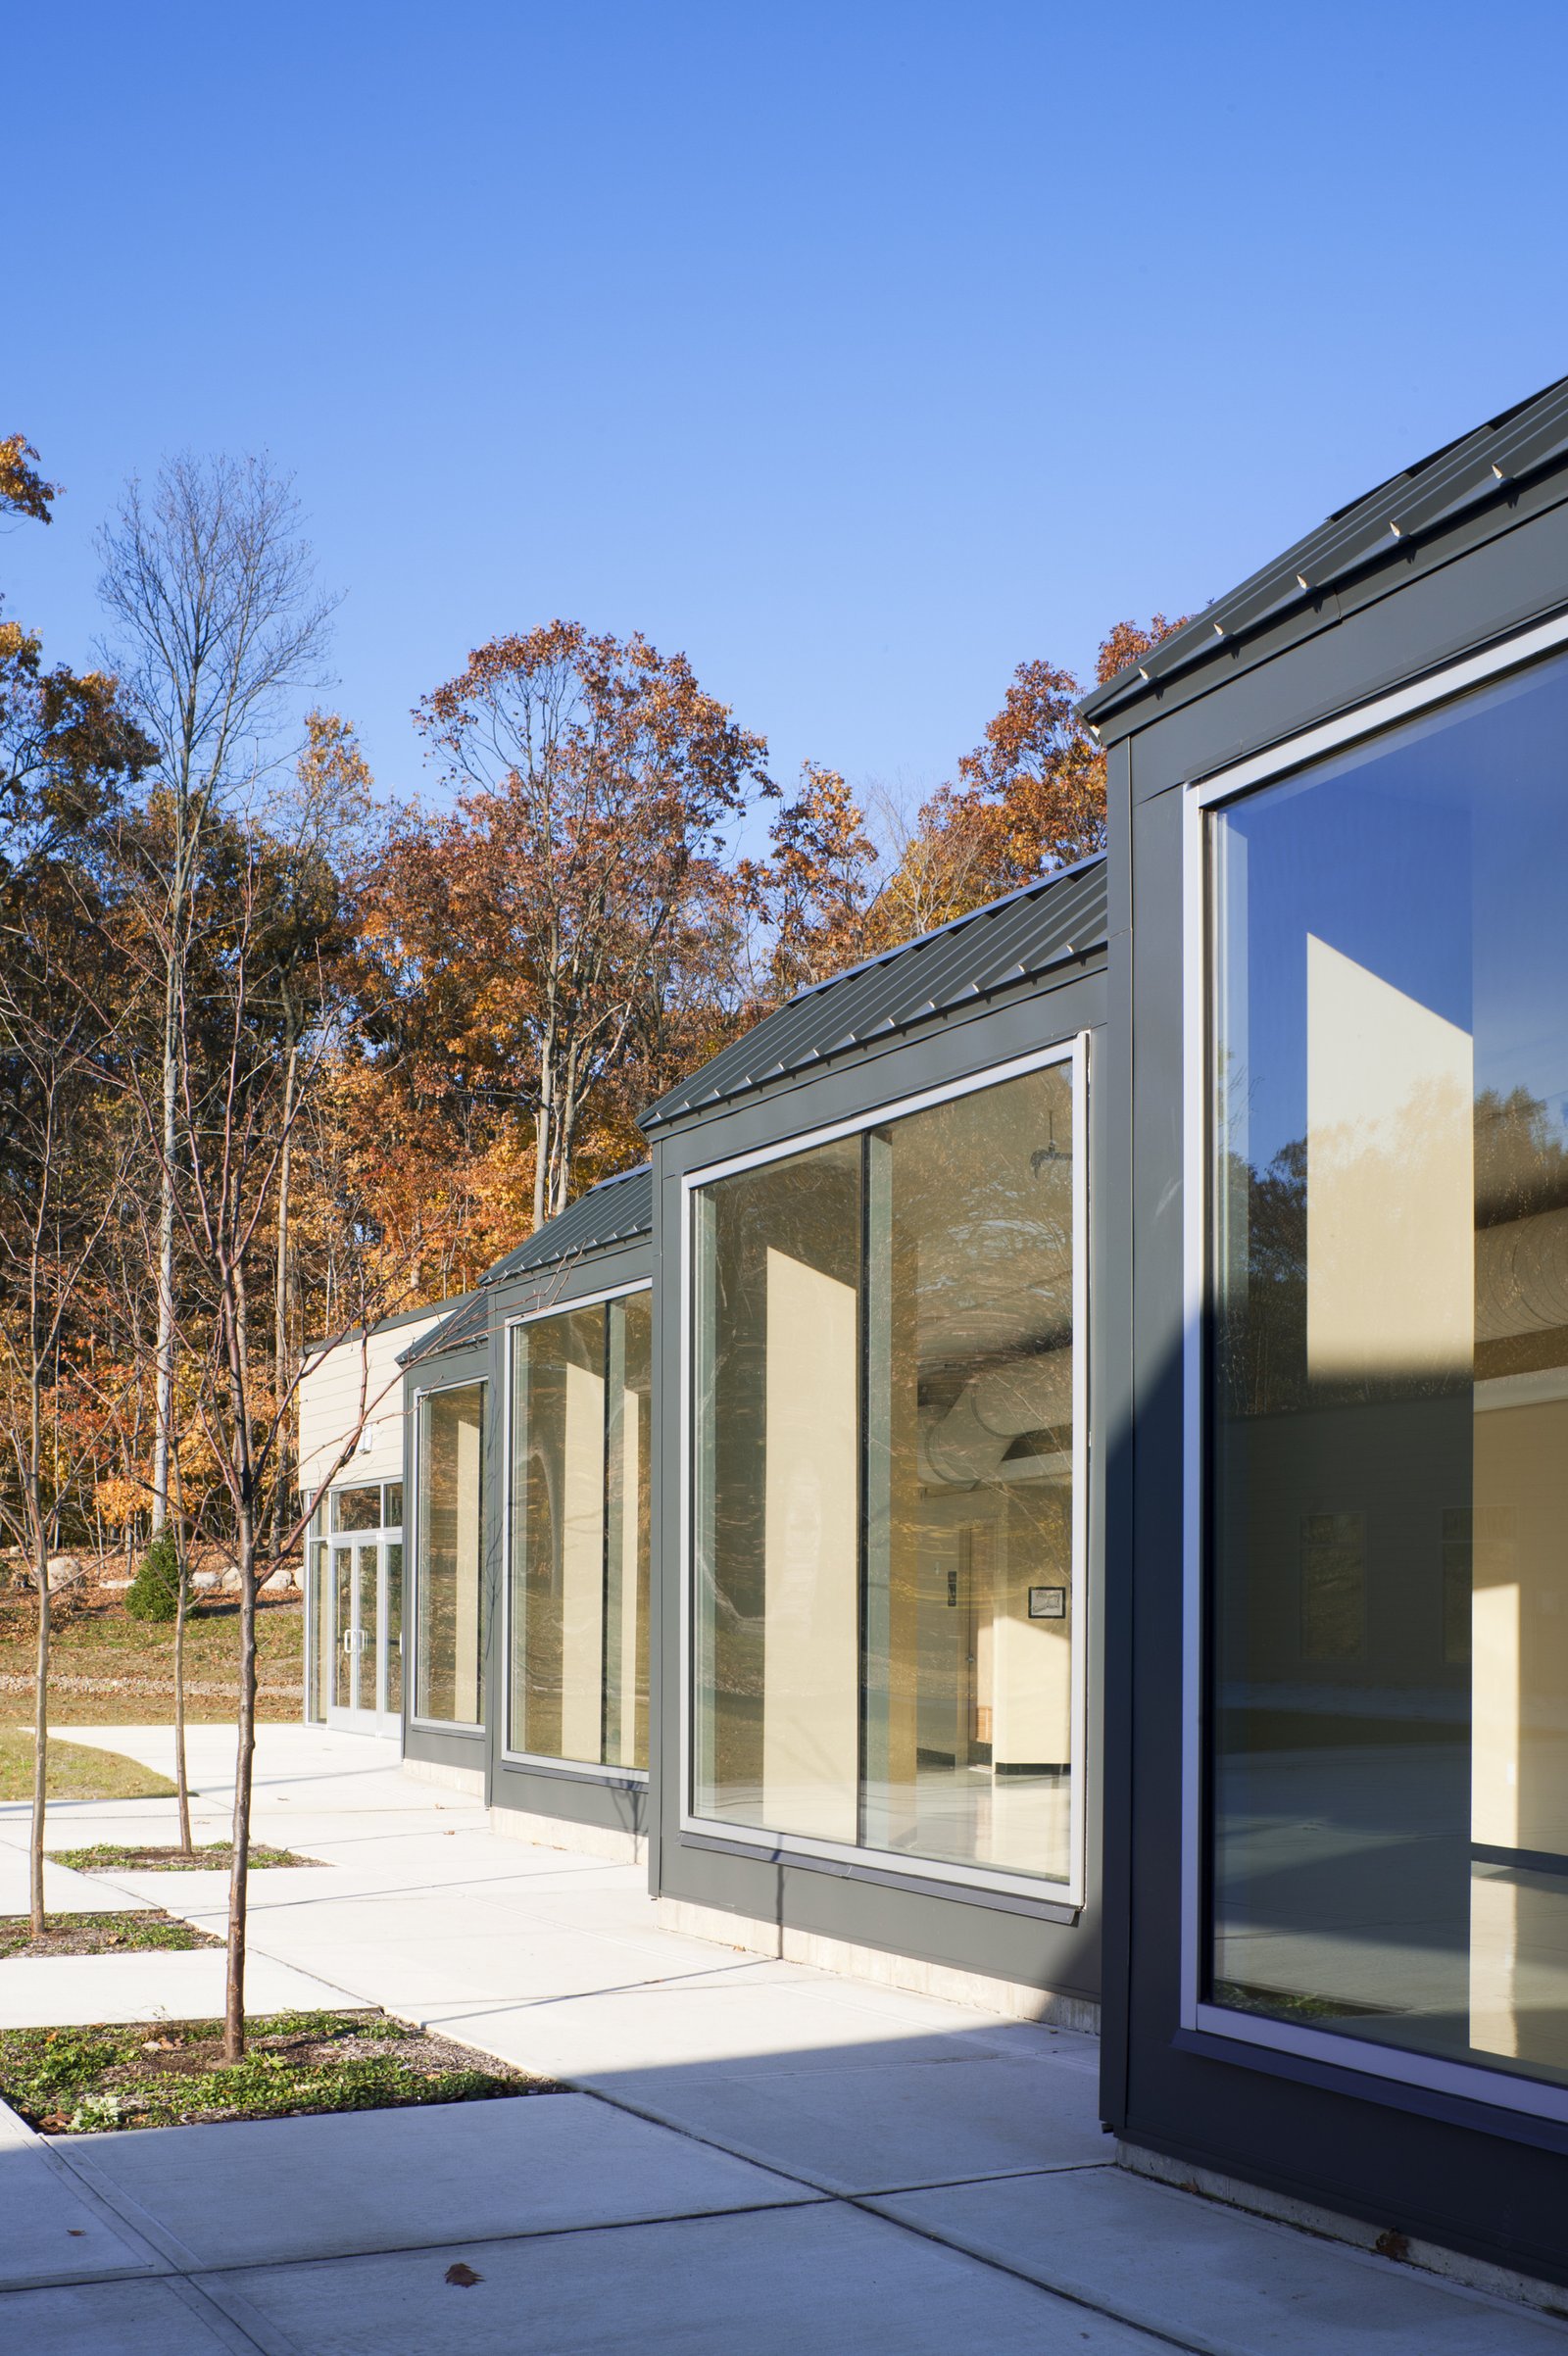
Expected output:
(74, 1991)
(357, 2181)
(64, 1827)
(769, 2283)
(536, 1967)
(729, 2030)
(204, 1889)
(118, 2319)
(130, 1822)
(64, 1891)
(1212, 2278)
(613, 1907)
(375, 1921)
(53, 2231)
(879, 2129)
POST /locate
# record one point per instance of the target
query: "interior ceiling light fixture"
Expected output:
(1044, 1156)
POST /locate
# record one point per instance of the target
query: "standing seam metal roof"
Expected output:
(611, 1212)
(1488, 464)
(1008, 942)
(468, 1323)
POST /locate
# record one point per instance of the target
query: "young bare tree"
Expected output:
(321, 829)
(214, 617)
(63, 1167)
(240, 1114)
(67, 751)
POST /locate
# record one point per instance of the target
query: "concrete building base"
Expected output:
(1499, 2282)
(609, 1841)
(913, 1975)
(470, 1781)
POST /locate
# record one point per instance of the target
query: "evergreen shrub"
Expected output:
(155, 1591)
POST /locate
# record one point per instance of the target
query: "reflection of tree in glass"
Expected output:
(1521, 1171)
(1262, 1322)
(1521, 1166)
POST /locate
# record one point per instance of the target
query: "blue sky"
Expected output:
(861, 349)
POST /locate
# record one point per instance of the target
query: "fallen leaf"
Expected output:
(463, 2275)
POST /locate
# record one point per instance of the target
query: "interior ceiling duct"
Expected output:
(1522, 1276)
(1027, 1395)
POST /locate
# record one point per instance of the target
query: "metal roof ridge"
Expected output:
(987, 907)
(1357, 536)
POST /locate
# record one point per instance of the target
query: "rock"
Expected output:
(231, 1582)
(278, 1584)
(63, 1570)
(204, 1581)
(113, 1585)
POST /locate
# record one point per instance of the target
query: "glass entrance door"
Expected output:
(356, 1611)
(360, 1653)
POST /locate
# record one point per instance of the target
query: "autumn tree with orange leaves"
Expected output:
(1030, 798)
(813, 893)
(595, 782)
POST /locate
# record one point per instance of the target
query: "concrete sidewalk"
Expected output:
(753, 2156)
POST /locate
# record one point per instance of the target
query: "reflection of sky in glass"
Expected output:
(1436, 860)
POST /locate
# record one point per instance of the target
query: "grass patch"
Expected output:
(100, 1935)
(107, 1669)
(73, 2081)
(215, 1857)
(76, 1771)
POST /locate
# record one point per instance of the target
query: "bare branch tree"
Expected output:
(63, 1174)
(240, 1110)
(214, 619)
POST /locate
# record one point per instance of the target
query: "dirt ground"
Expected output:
(107, 1669)
(99, 1934)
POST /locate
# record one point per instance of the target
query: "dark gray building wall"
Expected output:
(1038, 1942)
(607, 1799)
(1461, 2172)
(439, 1746)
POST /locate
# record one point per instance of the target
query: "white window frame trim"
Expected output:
(473, 1729)
(387, 1720)
(617, 1779)
(1472, 2081)
(1068, 1895)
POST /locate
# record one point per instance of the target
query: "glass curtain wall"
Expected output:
(884, 1469)
(450, 1509)
(1388, 1386)
(580, 1539)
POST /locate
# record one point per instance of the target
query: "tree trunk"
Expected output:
(565, 1140)
(40, 1739)
(181, 1786)
(541, 1136)
(245, 1748)
(164, 1403)
(244, 1758)
(281, 1304)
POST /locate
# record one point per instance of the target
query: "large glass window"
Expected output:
(884, 1460)
(449, 1589)
(580, 1437)
(1388, 1387)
